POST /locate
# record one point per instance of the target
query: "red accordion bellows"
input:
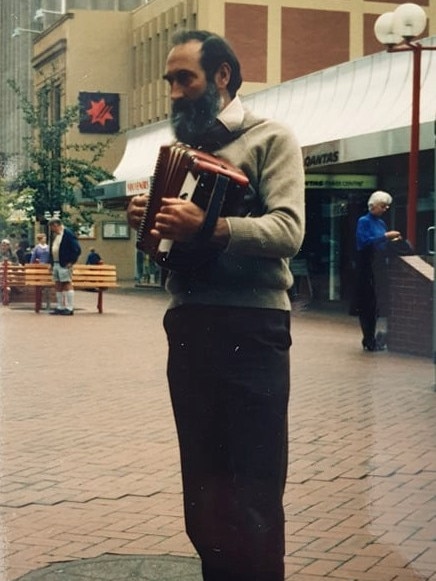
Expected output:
(209, 181)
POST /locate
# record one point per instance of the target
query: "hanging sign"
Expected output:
(99, 112)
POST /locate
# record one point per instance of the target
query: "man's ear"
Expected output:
(222, 76)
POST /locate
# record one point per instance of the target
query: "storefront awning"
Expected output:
(141, 151)
(353, 111)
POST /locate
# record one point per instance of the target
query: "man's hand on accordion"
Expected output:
(177, 220)
(135, 211)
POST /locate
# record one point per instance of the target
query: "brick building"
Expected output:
(119, 48)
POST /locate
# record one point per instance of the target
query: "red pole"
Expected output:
(414, 147)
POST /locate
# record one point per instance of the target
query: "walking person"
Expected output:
(228, 322)
(64, 252)
(372, 239)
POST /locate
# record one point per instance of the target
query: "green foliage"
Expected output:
(57, 175)
(13, 207)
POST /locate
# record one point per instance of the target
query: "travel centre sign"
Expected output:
(340, 182)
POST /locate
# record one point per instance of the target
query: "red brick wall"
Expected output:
(410, 318)
(307, 43)
(370, 43)
(246, 28)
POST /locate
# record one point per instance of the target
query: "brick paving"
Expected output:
(89, 462)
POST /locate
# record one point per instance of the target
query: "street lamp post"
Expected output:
(397, 30)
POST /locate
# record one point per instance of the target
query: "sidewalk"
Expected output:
(90, 485)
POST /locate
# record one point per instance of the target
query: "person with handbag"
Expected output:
(372, 240)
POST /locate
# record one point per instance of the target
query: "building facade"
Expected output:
(276, 40)
(122, 49)
(21, 23)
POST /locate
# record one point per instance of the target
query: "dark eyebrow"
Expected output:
(180, 77)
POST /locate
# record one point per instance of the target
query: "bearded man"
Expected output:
(228, 322)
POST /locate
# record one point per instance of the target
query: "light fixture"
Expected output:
(18, 31)
(409, 21)
(49, 215)
(405, 23)
(39, 14)
(398, 31)
(384, 30)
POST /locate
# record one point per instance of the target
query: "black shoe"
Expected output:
(371, 345)
(67, 312)
(56, 312)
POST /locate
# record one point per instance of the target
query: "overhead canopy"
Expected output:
(141, 151)
(360, 109)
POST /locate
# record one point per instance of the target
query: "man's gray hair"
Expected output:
(55, 221)
(379, 197)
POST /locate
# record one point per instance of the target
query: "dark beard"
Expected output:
(193, 119)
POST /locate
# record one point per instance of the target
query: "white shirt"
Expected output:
(56, 244)
(232, 115)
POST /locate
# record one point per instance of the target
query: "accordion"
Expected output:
(210, 182)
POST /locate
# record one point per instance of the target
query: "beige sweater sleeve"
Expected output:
(275, 169)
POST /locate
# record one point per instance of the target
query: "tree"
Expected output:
(57, 174)
(13, 215)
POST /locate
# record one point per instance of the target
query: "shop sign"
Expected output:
(340, 182)
(325, 158)
(138, 187)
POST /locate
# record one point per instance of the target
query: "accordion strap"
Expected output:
(213, 209)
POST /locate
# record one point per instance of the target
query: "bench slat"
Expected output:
(94, 268)
(99, 275)
(11, 276)
(93, 278)
(94, 284)
(14, 274)
(38, 275)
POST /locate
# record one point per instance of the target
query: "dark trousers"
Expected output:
(368, 318)
(228, 372)
(371, 293)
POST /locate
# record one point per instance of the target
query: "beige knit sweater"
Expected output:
(253, 271)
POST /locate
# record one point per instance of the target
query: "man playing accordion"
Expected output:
(228, 320)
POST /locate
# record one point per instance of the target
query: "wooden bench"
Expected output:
(38, 276)
(97, 277)
(11, 277)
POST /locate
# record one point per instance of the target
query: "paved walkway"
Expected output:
(90, 485)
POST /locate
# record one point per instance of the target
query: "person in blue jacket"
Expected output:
(372, 239)
(64, 252)
(93, 257)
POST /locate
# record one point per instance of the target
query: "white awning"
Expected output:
(360, 109)
(141, 151)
